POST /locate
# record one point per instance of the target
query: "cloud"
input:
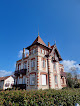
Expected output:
(20, 53)
(70, 65)
(5, 73)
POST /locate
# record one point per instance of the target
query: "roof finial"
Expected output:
(38, 30)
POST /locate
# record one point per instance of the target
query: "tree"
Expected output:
(70, 82)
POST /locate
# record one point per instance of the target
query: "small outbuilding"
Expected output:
(6, 82)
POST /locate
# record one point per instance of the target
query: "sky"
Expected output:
(58, 20)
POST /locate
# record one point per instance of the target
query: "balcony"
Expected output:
(63, 74)
(17, 73)
(20, 86)
(22, 71)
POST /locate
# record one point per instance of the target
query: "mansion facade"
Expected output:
(40, 69)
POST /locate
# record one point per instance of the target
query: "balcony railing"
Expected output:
(17, 73)
(22, 71)
(21, 86)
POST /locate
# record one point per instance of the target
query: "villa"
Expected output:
(40, 69)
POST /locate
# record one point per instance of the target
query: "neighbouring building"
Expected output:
(6, 82)
(40, 69)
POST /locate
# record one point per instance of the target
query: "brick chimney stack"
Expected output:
(49, 44)
(23, 55)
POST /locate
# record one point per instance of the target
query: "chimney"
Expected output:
(23, 55)
(49, 44)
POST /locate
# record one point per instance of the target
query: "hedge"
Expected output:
(64, 97)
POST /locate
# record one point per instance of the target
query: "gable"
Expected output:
(55, 53)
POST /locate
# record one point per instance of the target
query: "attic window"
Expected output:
(43, 51)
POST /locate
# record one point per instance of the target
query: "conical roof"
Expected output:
(39, 40)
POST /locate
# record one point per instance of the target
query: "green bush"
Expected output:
(64, 97)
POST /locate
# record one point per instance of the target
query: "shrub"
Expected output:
(65, 97)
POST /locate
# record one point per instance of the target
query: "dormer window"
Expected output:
(42, 51)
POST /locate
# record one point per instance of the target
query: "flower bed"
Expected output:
(65, 97)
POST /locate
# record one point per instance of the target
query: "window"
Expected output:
(55, 79)
(20, 81)
(55, 66)
(19, 67)
(32, 79)
(32, 63)
(40, 50)
(43, 79)
(43, 63)
(34, 51)
(7, 84)
(24, 80)
(43, 51)
(25, 65)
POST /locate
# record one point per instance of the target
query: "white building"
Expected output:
(6, 82)
(41, 68)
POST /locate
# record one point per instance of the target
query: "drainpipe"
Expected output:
(48, 72)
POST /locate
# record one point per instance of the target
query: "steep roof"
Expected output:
(39, 40)
(4, 78)
(56, 50)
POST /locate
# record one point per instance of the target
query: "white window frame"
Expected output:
(42, 51)
(32, 79)
(44, 82)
